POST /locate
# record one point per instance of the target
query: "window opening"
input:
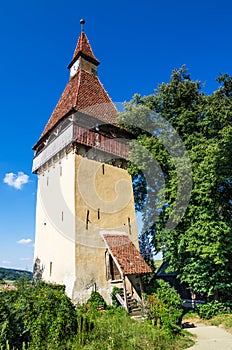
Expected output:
(87, 220)
(129, 225)
(115, 274)
(50, 268)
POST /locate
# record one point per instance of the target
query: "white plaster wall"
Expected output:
(55, 223)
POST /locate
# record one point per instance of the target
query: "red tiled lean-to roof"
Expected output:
(125, 253)
(84, 93)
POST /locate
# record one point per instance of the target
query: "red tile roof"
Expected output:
(84, 93)
(125, 253)
(83, 47)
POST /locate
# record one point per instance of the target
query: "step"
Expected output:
(138, 318)
(136, 313)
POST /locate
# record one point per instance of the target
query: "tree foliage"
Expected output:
(39, 315)
(42, 317)
(198, 239)
(163, 308)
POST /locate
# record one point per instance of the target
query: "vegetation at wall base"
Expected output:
(42, 317)
(163, 308)
(115, 301)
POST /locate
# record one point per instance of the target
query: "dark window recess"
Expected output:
(50, 268)
(47, 181)
(103, 169)
(129, 225)
(62, 216)
(87, 220)
(94, 71)
(98, 214)
(115, 274)
(61, 171)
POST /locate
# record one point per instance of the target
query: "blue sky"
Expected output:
(138, 44)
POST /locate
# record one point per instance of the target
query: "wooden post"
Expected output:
(142, 291)
(124, 292)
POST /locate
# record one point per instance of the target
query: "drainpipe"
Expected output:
(124, 292)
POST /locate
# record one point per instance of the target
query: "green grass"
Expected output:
(190, 314)
(118, 331)
(224, 320)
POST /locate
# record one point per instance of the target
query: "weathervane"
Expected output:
(82, 22)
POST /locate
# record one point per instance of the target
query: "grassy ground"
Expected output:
(114, 331)
(224, 321)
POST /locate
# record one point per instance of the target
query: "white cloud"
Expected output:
(6, 262)
(16, 181)
(24, 241)
(25, 259)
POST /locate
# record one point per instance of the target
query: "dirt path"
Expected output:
(209, 337)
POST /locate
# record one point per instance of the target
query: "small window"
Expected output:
(129, 225)
(103, 169)
(87, 220)
(94, 71)
(47, 180)
(50, 268)
(62, 216)
(98, 214)
(60, 170)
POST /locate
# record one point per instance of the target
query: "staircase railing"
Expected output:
(120, 300)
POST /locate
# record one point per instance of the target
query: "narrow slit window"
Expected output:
(103, 169)
(47, 180)
(98, 214)
(60, 170)
(62, 216)
(87, 220)
(129, 225)
(50, 268)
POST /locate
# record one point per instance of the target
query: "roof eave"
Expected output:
(43, 137)
(86, 57)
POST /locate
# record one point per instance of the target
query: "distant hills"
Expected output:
(13, 275)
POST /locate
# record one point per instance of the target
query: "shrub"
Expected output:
(85, 324)
(115, 291)
(163, 308)
(96, 300)
(39, 315)
(213, 309)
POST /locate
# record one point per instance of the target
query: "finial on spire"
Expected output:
(82, 22)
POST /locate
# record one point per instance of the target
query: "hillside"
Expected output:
(12, 274)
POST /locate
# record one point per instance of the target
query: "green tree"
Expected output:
(194, 232)
(40, 315)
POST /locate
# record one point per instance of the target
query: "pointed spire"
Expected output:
(83, 48)
(83, 93)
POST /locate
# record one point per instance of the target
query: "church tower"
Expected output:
(86, 235)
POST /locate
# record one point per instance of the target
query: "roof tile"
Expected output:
(128, 257)
(84, 93)
(83, 46)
